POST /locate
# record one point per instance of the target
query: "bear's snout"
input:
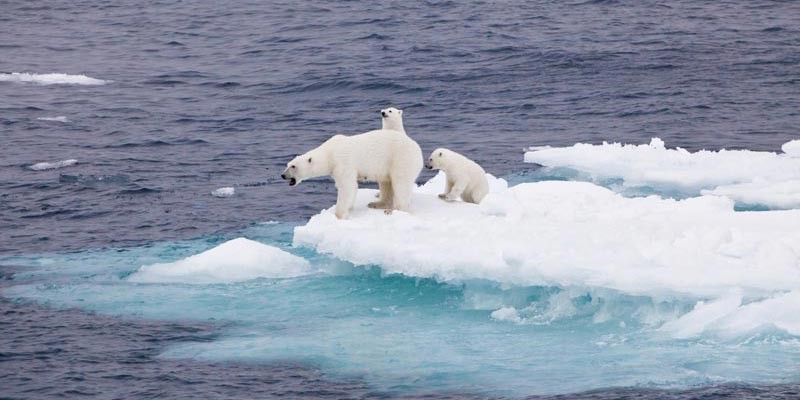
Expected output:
(283, 176)
(383, 113)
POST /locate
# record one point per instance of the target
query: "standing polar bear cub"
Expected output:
(386, 156)
(392, 118)
(465, 178)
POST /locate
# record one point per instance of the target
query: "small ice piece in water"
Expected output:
(60, 118)
(51, 79)
(224, 192)
(236, 260)
(52, 165)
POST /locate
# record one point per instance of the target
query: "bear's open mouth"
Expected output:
(292, 182)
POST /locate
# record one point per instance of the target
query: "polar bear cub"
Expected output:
(392, 118)
(465, 178)
(386, 156)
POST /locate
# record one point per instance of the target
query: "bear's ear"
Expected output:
(309, 160)
(400, 112)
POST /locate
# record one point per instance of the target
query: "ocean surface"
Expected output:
(121, 121)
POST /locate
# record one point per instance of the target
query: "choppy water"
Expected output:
(203, 95)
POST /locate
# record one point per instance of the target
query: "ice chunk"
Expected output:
(53, 165)
(224, 192)
(508, 314)
(704, 314)
(653, 165)
(572, 234)
(792, 148)
(783, 195)
(51, 79)
(233, 261)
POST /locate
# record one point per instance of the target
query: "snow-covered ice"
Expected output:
(573, 234)
(733, 173)
(51, 79)
(236, 260)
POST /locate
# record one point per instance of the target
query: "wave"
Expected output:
(730, 173)
(51, 79)
(60, 118)
(52, 165)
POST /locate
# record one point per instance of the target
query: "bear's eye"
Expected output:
(309, 159)
(292, 166)
(440, 154)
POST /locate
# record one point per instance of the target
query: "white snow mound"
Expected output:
(236, 260)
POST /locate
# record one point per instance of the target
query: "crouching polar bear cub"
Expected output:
(386, 156)
(465, 178)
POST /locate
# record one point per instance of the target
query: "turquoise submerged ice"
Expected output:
(546, 287)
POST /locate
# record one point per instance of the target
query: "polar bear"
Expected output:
(386, 156)
(392, 118)
(465, 178)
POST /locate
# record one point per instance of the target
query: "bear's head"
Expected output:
(305, 166)
(392, 118)
(437, 159)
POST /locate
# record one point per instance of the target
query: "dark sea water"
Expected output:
(207, 94)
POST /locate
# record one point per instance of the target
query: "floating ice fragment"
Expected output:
(224, 192)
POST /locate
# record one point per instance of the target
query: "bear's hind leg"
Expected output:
(386, 196)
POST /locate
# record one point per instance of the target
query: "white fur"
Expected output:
(392, 118)
(465, 178)
(388, 157)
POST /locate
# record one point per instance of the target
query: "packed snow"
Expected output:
(573, 234)
(51, 79)
(224, 192)
(731, 173)
(236, 260)
(53, 165)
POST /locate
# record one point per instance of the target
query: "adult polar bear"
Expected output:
(386, 156)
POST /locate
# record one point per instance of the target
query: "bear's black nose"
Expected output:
(283, 176)
(383, 113)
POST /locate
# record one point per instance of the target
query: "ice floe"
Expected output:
(571, 234)
(236, 260)
(732, 173)
(51, 79)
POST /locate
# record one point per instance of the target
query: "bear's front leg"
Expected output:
(346, 196)
(455, 192)
(447, 188)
